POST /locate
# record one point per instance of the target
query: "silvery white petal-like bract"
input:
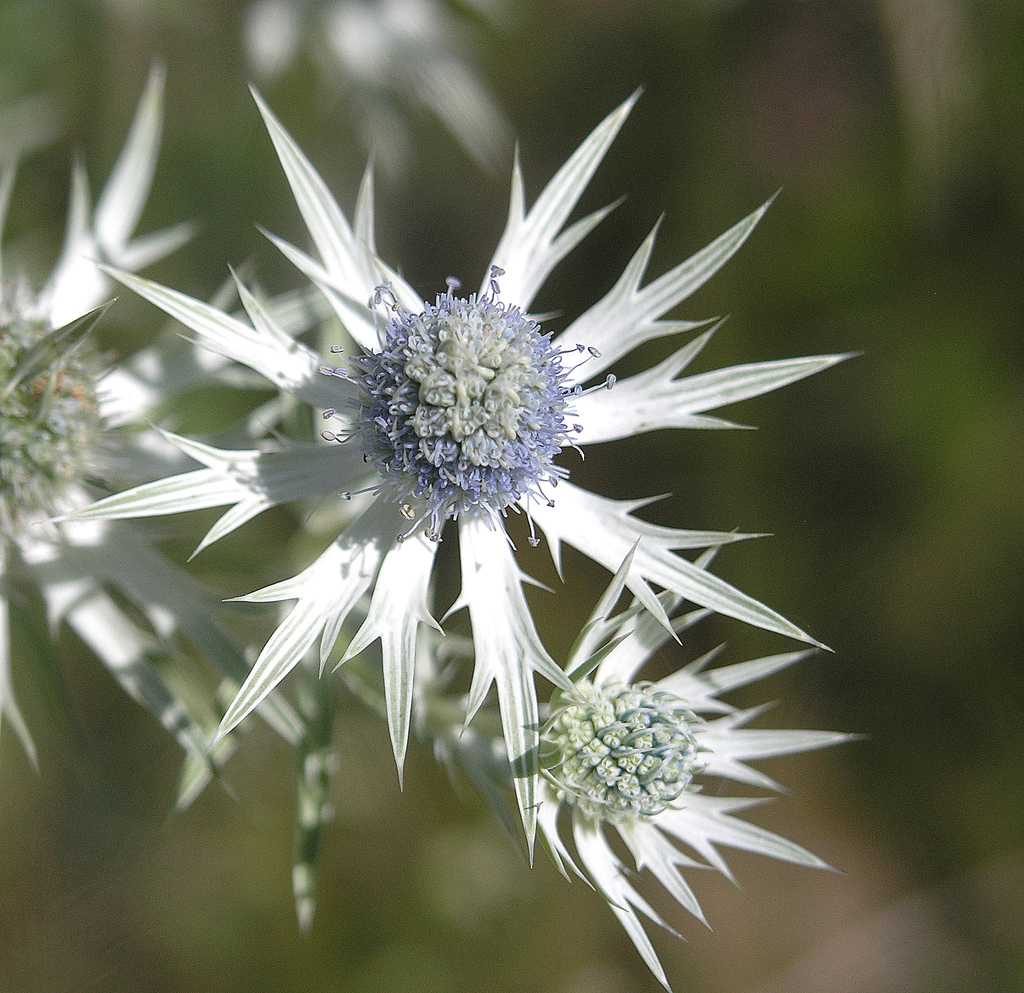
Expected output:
(653, 400)
(508, 651)
(397, 608)
(628, 315)
(252, 481)
(170, 366)
(605, 530)
(325, 593)
(264, 347)
(127, 653)
(533, 242)
(609, 876)
(76, 285)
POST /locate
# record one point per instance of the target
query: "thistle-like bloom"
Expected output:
(627, 755)
(460, 410)
(390, 57)
(61, 412)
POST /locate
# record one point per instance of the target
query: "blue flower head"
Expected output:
(464, 408)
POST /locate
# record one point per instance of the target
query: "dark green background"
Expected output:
(892, 485)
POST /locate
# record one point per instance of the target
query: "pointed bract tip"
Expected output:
(802, 656)
(121, 275)
(845, 357)
(614, 205)
(850, 737)
(618, 116)
(157, 73)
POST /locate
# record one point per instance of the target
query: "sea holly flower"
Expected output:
(391, 57)
(61, 415)
(622, 754)
(458, 411)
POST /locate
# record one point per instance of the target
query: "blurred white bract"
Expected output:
(459, 411)
(385, 59)
(64, 439)
(625, 755)
(25, 125)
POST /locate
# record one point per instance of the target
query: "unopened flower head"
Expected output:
(49, 417)
(464, 408)
(615, 752)
(623, 756)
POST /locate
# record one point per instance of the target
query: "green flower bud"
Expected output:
(620, 751)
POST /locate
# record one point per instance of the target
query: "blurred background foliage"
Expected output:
(891, 485)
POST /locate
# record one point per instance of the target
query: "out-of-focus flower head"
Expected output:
(386, 58)
(64, 439)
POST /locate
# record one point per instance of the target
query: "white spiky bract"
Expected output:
(75, 564)
(365, 558)
(624, 643)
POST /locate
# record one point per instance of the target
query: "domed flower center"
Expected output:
(621, 750)
(49, 420)
(463, 410)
